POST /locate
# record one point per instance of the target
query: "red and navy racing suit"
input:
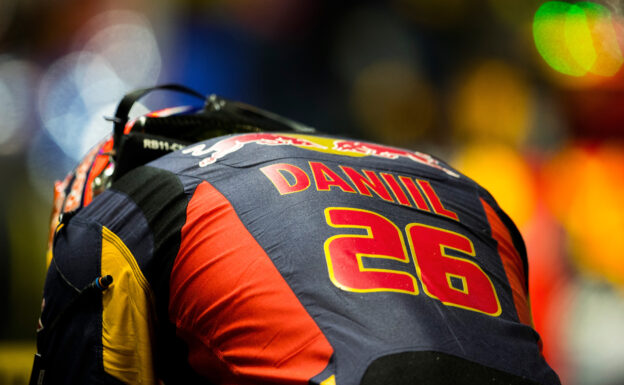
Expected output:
(290, 259)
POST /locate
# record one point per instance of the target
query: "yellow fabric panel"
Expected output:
(126, 316)
(331, 380)
(48, 259)
(49, 253)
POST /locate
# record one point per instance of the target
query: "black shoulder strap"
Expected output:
(123, 109)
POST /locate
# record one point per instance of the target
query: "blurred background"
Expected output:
(524, 96)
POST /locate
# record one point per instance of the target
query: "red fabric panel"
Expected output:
(514, 268)
(242, 322)
(99, 164)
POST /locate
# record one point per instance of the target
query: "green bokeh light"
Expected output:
(578, 38)
(549, 35)
(575, 39)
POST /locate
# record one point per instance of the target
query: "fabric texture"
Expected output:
(275, 258)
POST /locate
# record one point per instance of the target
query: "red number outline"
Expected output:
(330, 256)
(469, 250)
(429, 247)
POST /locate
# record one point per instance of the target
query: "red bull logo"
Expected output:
(314, 143)
(387, 152)
(235, 143)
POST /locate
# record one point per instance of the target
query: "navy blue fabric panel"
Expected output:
(122, 216)
(161, 199)
(71, 341)
(292, 229)
(146, 209)
(76, 251)
(362, 327)
(463, 198)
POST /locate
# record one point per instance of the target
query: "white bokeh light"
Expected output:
(127, 42)
(16, 80)
(119, 53)
(71, 91)
(45, 164)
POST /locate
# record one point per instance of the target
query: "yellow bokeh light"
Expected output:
(492, 102)
(505, 174)
(578, 38)
(392, 103)
(585, 193)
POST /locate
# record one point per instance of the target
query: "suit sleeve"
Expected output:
(90, 335)
(110, 336)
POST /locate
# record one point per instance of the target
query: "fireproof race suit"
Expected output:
(284, 258)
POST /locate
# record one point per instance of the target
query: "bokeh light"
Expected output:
(576, 39)
(45, 163)
(585, 194)
(492, 102)
(550, 284)
(17, 79)
(593, 334)
(126, 41)
(392, 103)
(120, 54)
(68, 98)
(503, 172)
